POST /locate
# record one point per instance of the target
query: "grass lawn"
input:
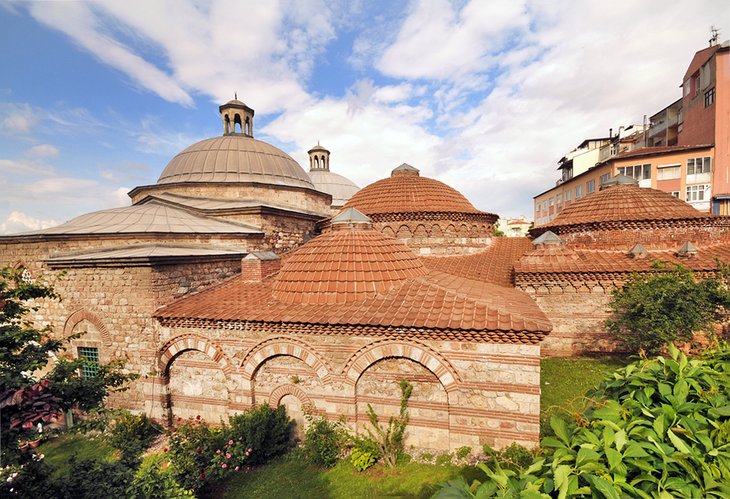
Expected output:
(291, 477)
(565, 381)
(59, 450)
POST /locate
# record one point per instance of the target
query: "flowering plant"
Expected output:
(230, 458)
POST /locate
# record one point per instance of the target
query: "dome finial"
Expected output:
(319, 158)
(237, 117)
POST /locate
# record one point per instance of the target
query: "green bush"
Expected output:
(92, 479)
(652, 310)
(657, 428)
(390, 439)
(155, 481)
(192, 446)
(324, 441)
(268, 432)
(362, 459)
(132, 434)
(514, 457)
(462, 452)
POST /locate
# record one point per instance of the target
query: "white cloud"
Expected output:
(18, 221)
(43, 151)
(17, 119)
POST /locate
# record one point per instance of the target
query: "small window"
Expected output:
(697, 192)
(579, 192)
(675, 194)
(710, 97)
(605, 178)
(567, 196)
(590, 186)
(699, 165)
(90, 356)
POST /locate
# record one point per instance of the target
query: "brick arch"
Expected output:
(388, 231)
(85, 315)
(186, 342)
(417, 352)
(281, 391)
(284, 345)
(404, 231)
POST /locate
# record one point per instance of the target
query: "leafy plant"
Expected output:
(362, 459)
(462, 452)
(192, 446)
(390, 440)
(132, 434)
(652, 310)
(268, 431)
(323, 441)
(657, 428)
(155, 480)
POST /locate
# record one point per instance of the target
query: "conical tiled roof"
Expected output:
(345, 265)
(624, 203)
(405, 191)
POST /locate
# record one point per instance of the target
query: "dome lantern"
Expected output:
(237, 118)
(319, 159)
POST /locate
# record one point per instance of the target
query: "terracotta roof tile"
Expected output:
(624, 203)
(493, 265)
(397, 292)
(585, 261)
(408, 192)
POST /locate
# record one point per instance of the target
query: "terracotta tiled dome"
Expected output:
(624, 203)
(405, 191)
(347, 264)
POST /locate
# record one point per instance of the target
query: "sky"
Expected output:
(485, 95)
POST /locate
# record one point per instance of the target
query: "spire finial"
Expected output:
(235, 95)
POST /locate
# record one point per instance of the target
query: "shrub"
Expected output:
(323, 441)
(362, 459)
(155, 480)
(94, 478)
(657, 428)
(229, 459)
(269, 432)
(650, 311)
(132, 434)
(390, 440)
(31, 480)
(192, 447)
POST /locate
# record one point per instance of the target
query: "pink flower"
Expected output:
(248, 452)
(202, 475)
(230, 442)
(197, 417)
(218, 451)
(250, 449)
(224, 465)
(235, 469)
(228, 456)
(179, 419)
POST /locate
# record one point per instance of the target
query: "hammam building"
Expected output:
(239, 278)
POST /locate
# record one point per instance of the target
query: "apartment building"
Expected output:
(684, 151)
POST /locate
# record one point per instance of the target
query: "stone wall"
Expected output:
(439, 237)
(113, 305)
(465, 394)
(663, 235)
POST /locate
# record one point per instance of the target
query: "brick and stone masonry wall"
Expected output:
(114, 305)
(441, 237)
(465, 394)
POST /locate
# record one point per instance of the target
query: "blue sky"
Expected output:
(96, 97)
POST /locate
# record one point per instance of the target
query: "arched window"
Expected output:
(237, 121)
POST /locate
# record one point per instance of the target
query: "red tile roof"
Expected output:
(493, 265)
(383, 284)
(345, 266)
(560, 259)
(408, 192)
(650, 151)
(621, 203)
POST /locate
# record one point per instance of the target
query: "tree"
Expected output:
(671, 305)
(391, 439)
(27, 399)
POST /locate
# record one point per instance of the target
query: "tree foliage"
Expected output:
(26, 398)
(652, 310)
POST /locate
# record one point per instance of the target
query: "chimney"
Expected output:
(255, 267)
